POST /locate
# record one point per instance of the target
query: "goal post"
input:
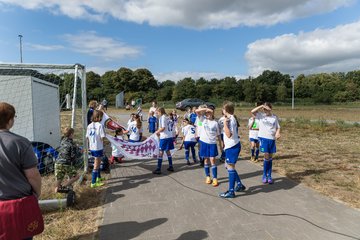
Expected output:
(37, 92)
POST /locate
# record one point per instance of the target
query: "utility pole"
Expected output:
(292, 92)
(20, 37)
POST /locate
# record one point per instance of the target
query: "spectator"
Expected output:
(92, 106)
(104, 103)
(133, 103)
(20, 181)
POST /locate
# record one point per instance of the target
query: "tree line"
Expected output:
(270, 86)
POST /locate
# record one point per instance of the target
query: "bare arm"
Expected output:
(255, 110)
(34, 178)
(277, 134)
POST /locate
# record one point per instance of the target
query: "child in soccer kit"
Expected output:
(209, 133)
(132, 116)
(95, 134)
(221, 125)
(135, 129)
(232, 148)
(152, 120)
(253, 126)
(189, 140)
(269, 131)
(198, 123)
(64, 165)
(116, 155)
(165, 132)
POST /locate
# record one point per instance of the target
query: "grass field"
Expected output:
(323, 156)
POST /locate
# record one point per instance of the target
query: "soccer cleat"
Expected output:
(256, 160)
(227, 194)
(270, 181)
(157, 171)
(215, 182)
(252, 159)
(95, 185)
(264, 180)
(208, 180)
(98, 180)
(170, 169)
(240, 188)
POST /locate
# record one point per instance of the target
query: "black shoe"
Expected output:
(188, 163)
(170, 169)
(240, 188)
(157, 171)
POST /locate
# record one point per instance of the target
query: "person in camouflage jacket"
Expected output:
(64, 165)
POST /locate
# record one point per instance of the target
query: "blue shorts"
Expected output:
(208, 150)
(232, 154)
(166, 144)
(254, 140)
(189, 144)
(97, 153)
(267, 145)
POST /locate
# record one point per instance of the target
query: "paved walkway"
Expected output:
(179, 205)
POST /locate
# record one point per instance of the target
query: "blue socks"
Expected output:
(252, 152)
(207, 170)
(94, 175)
(269, 171)
(257, 153)
(214, 171)
(187, 154)
(193, 154)
(159, 163)
(98, 173)
(170, 160)
(237, 178)
(232, 177)
(266, 167)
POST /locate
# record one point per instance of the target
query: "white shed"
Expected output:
(36, 100)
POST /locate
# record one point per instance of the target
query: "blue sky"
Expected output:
(183, 38)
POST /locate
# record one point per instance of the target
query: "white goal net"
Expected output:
(47, 98)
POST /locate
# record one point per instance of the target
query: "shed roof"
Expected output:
(52, 78)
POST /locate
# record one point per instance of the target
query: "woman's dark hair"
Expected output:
(118, 131)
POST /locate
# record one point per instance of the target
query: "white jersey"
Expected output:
(189, 133)
(210, 131)
(134, 131)
(115, 152)
(253, 128)
(234, 139)
(94, 133)
(221, 124)
(267, 125)
(152, 109)
(168, 125)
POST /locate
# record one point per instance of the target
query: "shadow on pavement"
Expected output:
(193, 235)
(128, 230)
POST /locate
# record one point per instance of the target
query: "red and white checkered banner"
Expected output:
(148, 149)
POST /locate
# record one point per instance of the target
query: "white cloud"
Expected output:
(322, 50)
(40, 47)
(200, 14)
(103, 47)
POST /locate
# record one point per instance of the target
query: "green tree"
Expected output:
(184, 89)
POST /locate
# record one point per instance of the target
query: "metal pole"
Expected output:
(20, 37)
(84, 116)
(74, 97)
(292, 92)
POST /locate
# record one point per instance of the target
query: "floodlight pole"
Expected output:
(20, 37)
(292, 92)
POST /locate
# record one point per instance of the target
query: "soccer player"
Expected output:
(209, 133)
(269, 131)
(232, 148)
(189, 140)
(95, 135)
(166, 144)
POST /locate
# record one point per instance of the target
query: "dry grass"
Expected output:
(78, 222)
(322, 156)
